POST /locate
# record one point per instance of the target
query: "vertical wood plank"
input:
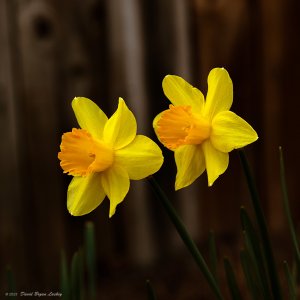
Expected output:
(11, 230)
(128, 70)
(188, 198)
(273, 51)
(38, 32)
(83, 63)
(290, 104)
(101, 49)
(221, 30)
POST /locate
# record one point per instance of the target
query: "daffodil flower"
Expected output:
(201, 132)
(103, 156)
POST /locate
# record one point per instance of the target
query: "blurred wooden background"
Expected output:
(53, 50)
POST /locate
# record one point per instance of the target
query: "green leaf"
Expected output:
(77, 276)
(253, 246)
(11, 283)
(231, 281)
(291, 282)
(81, 273)
(64, 278)
(288, 210)
(189, 243)
(249, 273)
(262, 226)
(90, 255)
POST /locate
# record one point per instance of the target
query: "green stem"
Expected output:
(185, 236)
(90, 256)
(287, 209)
(64, 278)
(231, 281)
(291, 282)
(274, 281)
(11, 283)
(253, 246)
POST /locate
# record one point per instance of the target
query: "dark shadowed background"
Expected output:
(54, 50)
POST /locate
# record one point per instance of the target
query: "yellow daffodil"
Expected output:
(201, 132)
(103, 156)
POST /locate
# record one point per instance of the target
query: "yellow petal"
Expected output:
(141, 158)
(89, 116)
(84, 194)
(180, 92)
(115, 182)
(120, 129)
(190, 165)
(220, 92)
(229, 131)
(216, 162)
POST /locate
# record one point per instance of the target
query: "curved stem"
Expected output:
(288, 210)
(261, 222)
(189, 243)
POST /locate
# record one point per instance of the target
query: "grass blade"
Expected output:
(231, 281)
(253, 246)
(288, 210)
(291, 282)
(77, 276)
(64, 278)
(189, 243)
(81, 274)
(249, 274)
(260, 218)
(90, 255)
(11, 283)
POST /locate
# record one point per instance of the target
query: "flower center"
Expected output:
(179, 126)
(82, 155)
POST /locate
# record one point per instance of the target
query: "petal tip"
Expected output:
(169, 78)
(181, 185)
(219, 69)
(122, 104)
(112, 211)
(211, 181)
(73, 213)
(219, 72)
(177, 187)
(121, 100)
(77, 99)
